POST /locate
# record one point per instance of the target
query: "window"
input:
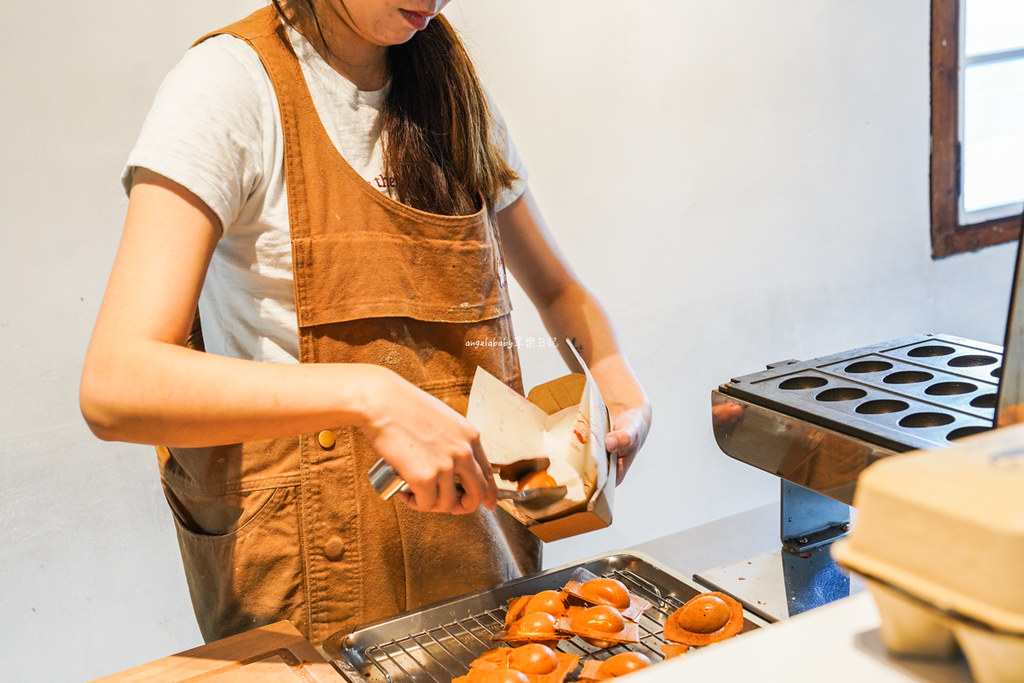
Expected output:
(977, 164)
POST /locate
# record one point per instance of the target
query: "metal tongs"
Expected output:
(386, 482)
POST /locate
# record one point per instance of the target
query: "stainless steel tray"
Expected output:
(437, 643)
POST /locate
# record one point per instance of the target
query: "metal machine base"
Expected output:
(779, 584)
(801, 574)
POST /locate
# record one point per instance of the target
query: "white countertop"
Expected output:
(839, 641)
(836, 642)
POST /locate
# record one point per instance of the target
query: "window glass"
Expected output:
(992, 109)
(977, 124)
(993, 25)
(993, 136)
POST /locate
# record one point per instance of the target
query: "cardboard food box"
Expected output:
(939, 538)
(564, 420)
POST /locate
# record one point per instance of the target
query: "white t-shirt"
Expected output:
(215, 129)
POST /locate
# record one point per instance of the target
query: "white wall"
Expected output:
(740, 182)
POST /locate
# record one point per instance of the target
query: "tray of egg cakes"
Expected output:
(588, 621)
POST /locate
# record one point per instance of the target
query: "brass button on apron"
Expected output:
(326, 439)
(334, 548)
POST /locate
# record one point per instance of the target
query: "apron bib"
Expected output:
(291, 528)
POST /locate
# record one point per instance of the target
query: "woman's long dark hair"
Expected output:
(436, 125)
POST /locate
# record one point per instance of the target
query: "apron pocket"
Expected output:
(242, 558)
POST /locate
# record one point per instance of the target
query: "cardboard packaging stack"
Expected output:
(939, 538)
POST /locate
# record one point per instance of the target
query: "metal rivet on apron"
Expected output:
(326, 439)
(334, 548)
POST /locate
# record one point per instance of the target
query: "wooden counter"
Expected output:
(277, 653)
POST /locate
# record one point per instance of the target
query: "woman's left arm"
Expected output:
(569, 311)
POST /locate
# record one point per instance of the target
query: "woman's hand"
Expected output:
(433, 448)
(629, 431)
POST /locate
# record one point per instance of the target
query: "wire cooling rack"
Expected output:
(437, 643)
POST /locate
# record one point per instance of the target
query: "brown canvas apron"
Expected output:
(290, 528)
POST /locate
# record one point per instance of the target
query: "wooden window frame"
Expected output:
(949, 235)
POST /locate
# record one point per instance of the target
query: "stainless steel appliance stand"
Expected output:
(801, 574)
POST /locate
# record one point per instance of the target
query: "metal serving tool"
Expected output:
(387, 482)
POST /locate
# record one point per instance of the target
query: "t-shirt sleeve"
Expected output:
(205, 128)
(512, 158)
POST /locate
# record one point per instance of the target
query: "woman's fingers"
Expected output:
(423, 493)
(473, 475)
(617, 440)
(448, 498)
(626, 438)
(489, 491)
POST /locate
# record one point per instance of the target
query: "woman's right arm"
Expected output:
(141, 384)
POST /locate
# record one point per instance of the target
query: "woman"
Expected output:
(329, 176)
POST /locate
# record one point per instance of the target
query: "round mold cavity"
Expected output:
(922, 420)
(950, 388)
(869, 366)
(965, 431)
(998, 372)
(882, 406)
(984, 401)
(907, 377)
(971, 361)
(841, 394)
(930, 351)
(804, 382)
